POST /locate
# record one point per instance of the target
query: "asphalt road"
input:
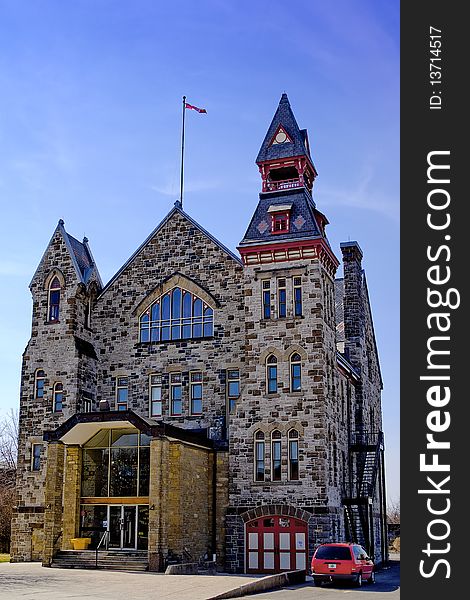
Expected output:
(387, 587)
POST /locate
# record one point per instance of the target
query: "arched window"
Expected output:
(293, 439)
(276, 455)
(54, 300)
(176, 315)
(295, 373)
(271, 374)
(58, 396)
(40, 378)
(259, 456)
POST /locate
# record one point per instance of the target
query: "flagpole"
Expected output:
(182, 154)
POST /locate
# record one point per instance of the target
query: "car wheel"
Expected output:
(372, 578)
(318, 582)
(358, 580)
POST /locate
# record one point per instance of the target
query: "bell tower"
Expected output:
(286, 225)
(284, 159)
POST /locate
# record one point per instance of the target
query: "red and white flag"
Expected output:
(191, 107)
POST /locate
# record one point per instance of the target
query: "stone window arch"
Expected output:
(58, 396)
(295, 372)
(39, 381)
(293, 454)
(276, 455)
(53, 299)
(271, 374)
(260, 453)
(178, 314)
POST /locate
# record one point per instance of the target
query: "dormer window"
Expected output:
(280, 218)
(281, 223)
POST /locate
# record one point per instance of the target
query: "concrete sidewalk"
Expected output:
(28, 581)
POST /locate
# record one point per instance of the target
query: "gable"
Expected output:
(177, 244)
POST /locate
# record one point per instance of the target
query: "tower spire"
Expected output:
(284, 158)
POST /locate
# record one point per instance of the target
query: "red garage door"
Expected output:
(275, 544)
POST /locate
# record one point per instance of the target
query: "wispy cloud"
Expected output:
(364, 195)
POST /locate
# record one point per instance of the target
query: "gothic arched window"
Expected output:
(54, 300)
(259, 456)
(276, 464)
(293, 440)
(295, 373)
(40, 378)
(58, 396)
(176, 315)
(271, 374)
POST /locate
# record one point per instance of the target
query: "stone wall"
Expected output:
(177, 248)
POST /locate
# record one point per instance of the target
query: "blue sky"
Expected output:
(90, 125)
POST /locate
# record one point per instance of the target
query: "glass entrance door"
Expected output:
(129, 526)
(122, 525)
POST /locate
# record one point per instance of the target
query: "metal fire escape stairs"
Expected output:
(366, 449)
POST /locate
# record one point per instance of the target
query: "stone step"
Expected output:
(107, 559)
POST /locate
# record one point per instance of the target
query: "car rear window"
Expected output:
(333, 553)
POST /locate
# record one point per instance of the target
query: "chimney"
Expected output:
(354, 316)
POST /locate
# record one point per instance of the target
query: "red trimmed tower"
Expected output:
(286, 225)
(285, 436)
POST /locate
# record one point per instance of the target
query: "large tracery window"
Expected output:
(176, 315)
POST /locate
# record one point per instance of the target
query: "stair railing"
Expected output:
(103, 540)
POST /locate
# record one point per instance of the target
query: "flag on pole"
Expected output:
(191, 107)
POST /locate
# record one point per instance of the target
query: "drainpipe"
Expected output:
(214, 504)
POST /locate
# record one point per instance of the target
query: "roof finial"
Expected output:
(61, 222)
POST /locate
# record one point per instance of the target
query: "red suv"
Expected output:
(342, 561)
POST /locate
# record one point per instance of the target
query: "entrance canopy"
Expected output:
(82, 426)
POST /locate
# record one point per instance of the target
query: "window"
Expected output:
(155, 393)
(54, 300)
(271, 374)
(293, 440)
(280, 222)
(176, 408)
(176, 315)
(233, 389)
(281, 298)
(266, 299)
(86, 404)
(122, 393)
(39, 384)
(295, 373)
(196, 393)
(36, 457)
(58, 396)
(259, 456)
(276, 455)
(297, 296)
(116, 463)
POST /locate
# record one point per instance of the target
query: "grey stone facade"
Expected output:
(96, 341)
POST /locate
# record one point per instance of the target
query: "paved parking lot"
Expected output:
(25, 581)
(387, 587)
(28, 581)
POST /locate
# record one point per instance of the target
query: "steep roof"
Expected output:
(79, 252)
(299, 144)
(303, 217)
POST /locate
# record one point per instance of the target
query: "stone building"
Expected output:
(205, 404)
